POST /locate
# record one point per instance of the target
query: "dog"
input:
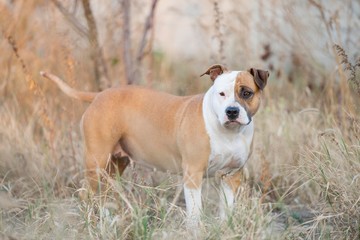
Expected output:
(198, 136)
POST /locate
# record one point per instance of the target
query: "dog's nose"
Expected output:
(232, 112)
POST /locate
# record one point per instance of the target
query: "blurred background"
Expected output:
(306, 158)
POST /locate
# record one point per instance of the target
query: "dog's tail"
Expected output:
(84, 96)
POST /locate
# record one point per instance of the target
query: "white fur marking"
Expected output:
(193, 205)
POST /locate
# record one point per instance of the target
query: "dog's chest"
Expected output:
(228, 153)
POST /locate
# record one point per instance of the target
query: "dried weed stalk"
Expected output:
(34, 87)
(100, 68)
(353, 79)
(91, 33)
(132, 67)
(218, 33)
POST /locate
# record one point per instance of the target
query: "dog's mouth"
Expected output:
(232, 124)
(235, 123)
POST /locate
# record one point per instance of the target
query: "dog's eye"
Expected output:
(222, 94)
(245, 94)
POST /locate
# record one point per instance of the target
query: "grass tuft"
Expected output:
(352, 68)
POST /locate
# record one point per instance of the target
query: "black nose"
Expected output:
(232, 112)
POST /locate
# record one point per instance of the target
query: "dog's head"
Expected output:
(236, 95)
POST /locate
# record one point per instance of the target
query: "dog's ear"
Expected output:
(214, 71)
(260, 77)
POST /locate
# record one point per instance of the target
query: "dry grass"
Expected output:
(304, 174)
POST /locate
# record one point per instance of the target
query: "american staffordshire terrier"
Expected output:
(198, 136)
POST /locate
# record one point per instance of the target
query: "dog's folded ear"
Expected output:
(214, 71)
(260, 77)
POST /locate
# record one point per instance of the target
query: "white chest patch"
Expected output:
(230, 148)
(229, 152)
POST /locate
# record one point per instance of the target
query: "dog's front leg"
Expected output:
(227, 196)
(192, 192)
(229, 185)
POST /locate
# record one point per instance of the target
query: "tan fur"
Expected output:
(146, 133)
(245, 79)
(84, 96)
(155, 129)
(234, 180)
(214, 71)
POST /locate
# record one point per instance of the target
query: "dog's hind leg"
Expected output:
(100, 162)
(96, 161)
(98, 153)
(101, 137)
